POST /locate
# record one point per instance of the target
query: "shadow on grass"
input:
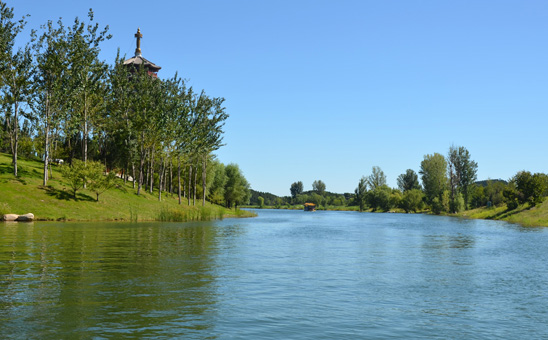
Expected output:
(65, 195)
(22, 172)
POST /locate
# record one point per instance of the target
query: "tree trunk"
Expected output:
(179, 177)
(151, 187)
(171, 177)
(204, 180)
(15, 138)
(189, 182)
(194, 195)
(85, 136)
(141, 166)
(160, 178)
(133, 173)
(46, 142)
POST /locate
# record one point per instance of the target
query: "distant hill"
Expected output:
(484, 183)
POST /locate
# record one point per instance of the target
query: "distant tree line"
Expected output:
(444, 184)
(60, 101)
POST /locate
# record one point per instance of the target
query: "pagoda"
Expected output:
(138, 60)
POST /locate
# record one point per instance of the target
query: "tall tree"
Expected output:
(319, 186)
(462, 172)
(408, 181)
(87, 75)
(236, 187)
(296, 189)
(15, 74)
(433, 175)
(50, 79)
(361, 193)
(377, 178)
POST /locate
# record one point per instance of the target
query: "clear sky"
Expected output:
(327, 89)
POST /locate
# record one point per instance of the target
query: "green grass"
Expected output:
(524, 215)
(25, 194)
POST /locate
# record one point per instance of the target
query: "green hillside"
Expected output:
(25, 194)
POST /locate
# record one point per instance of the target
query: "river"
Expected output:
(281, 275)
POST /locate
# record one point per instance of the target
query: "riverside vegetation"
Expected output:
(447, 185)
(61, 103)
(56, 200)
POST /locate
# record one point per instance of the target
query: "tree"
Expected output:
(87, 86)
(462, 173)
(15, 74)
(261, 202)
(75, 174)
(319, 186)
(377, 178)
(97, 180)
(236, 188)
(379, 198)
(408, 181)
(361, 193)
(50, 79)
(217, 188)
(433, 175)
(296, 189)
(412, 200)
(531, 188)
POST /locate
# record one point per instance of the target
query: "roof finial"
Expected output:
(138, 35)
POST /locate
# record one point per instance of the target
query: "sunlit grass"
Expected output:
(26, 194)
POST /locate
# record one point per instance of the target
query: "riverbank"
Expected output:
(54, 202)
(524, 215)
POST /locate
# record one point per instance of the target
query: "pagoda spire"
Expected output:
(138, 35)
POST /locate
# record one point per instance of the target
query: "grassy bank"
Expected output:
(524, 215)
(54, 202)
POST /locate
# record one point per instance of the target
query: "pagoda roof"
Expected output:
(139, 60)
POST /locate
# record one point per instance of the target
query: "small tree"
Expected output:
(97, 181)
(75, 174)
(261, 201)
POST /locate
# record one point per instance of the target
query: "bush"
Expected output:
(412, 200)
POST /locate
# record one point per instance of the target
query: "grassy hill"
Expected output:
(523, 215)
(26, 194)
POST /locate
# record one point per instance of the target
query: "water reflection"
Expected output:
(107, 280)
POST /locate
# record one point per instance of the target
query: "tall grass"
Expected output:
(189, 214)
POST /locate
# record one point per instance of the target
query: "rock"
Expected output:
(25, 218)
(10, 217)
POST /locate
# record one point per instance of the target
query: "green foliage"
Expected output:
(319, 186)
(261, 202)
(236, 187)
(440, 204)
(462, 174)
(408, 181)
(361, 193)
(296, 189)
(217, 188)
(396, 198)
(5, 209)
(434, 179)
(377, 178)
(412, 200)
(97, 181)
(457, 204)
(531, 188)
(75, 175)
(379, 198)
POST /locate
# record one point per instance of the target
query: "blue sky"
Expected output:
(328, 89)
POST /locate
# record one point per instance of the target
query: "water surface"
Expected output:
(282, 275)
